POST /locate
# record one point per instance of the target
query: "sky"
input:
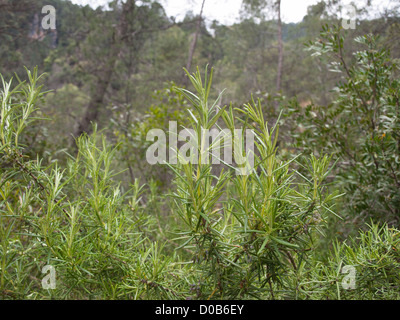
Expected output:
(224, 11)
(227, 11)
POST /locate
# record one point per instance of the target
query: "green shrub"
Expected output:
(249, 236)
(375, 257)
(246, 241)
(361, 128)
(77, 220)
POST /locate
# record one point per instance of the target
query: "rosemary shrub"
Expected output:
(250, 236)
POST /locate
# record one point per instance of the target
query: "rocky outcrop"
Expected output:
(37, 33)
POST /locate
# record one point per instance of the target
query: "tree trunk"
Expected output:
(193, 44)
(280, 48)
(104, 78)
